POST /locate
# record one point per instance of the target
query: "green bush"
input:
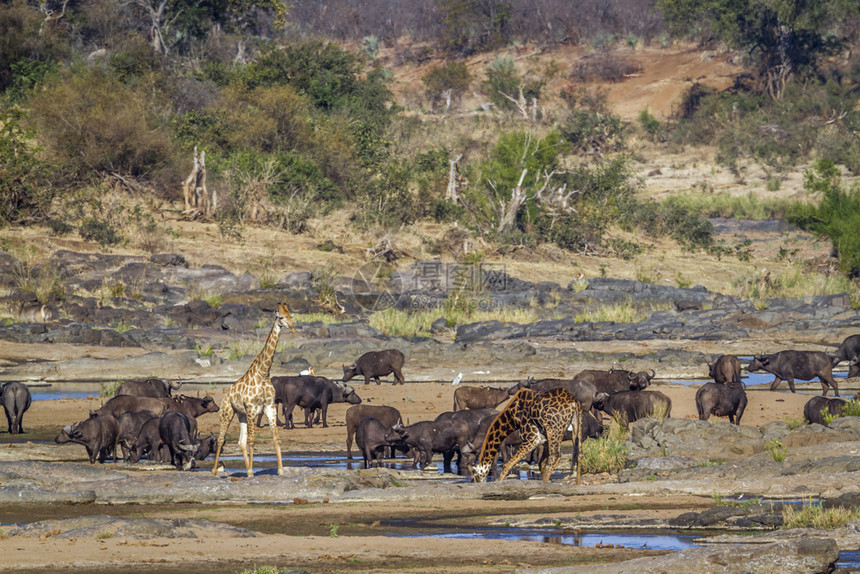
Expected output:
(24, 185)
(453, 76)
(837, 215)
(95, 125)
(504, 82)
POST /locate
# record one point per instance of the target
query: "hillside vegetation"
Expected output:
(466, 129)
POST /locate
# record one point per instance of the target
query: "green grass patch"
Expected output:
(625, 312)
(816, 516)
(607, 453)
(398, 323)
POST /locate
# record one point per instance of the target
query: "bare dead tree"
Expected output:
(451, 192)
(198, 201)
(508, 211)
(52, 14)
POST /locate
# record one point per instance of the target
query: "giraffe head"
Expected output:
(479, 471)
(285, 319)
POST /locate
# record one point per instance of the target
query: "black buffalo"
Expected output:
(428, 437)
(148, 388)
(371, 441)
(616, 380)
(584, 390)
(129, 429)
(849, 351)
(635, 405)
(466, 397)
(388, 416)
(816, 408)
(97, 434)
(16, 400)
(376, 364)
(790, 365)
(189, 406)
(149, 443)
(310, 393)
(176, 434)
(726, 368)
(722, 400)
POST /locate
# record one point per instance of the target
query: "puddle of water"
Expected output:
(53, 394)
(751, 379)
(653, 541)
(849, 559)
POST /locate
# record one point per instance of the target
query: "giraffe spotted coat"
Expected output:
(540, 417)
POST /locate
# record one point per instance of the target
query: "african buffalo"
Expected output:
(722, 400)
(121, 404)
(466, 397)
(129, 428)
(175, 432)
(849, 351)
(193, 407)
(149, 443)
(816, 408)
(189, 406)
(635, 405)
(156, 388)
(725, 369)
(205, 447)
(388, 416)
(376, 364)
(428, 437)
(97, 434)
(371, 441)
(803, 365)
(584, 390)
(615, 380)
(474, 419)
(310, 393)
(15, 398)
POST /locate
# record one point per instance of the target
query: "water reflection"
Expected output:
(654, 541)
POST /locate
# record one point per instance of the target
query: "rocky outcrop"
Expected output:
(803, 556)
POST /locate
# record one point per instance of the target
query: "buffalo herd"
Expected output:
(146, 419)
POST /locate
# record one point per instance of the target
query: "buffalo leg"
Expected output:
(399, 376)
(828, 380)
(775, 383)
(791, 384)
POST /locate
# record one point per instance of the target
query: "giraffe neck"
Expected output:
(498, 431)
(262, 363)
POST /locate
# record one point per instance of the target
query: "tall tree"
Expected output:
(785, 38)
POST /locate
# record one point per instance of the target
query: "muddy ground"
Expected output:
(337, 535)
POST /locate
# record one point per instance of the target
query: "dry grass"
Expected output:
(816, 516)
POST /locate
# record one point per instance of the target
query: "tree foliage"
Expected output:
(783, 38)
(837, 214)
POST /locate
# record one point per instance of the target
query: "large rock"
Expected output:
(804, 556)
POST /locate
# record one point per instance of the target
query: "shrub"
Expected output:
(812, 515)
(607, 453)
(504, 83)
(452, 77)
(94, 126)
(836, 216)
(24, 185)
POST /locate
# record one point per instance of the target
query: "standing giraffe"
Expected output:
(252, 394)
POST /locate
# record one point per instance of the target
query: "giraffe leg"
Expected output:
(226, 418)
(243, 444)
(531, 439)
(551, 458)
(271, 414)
(252, 433)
